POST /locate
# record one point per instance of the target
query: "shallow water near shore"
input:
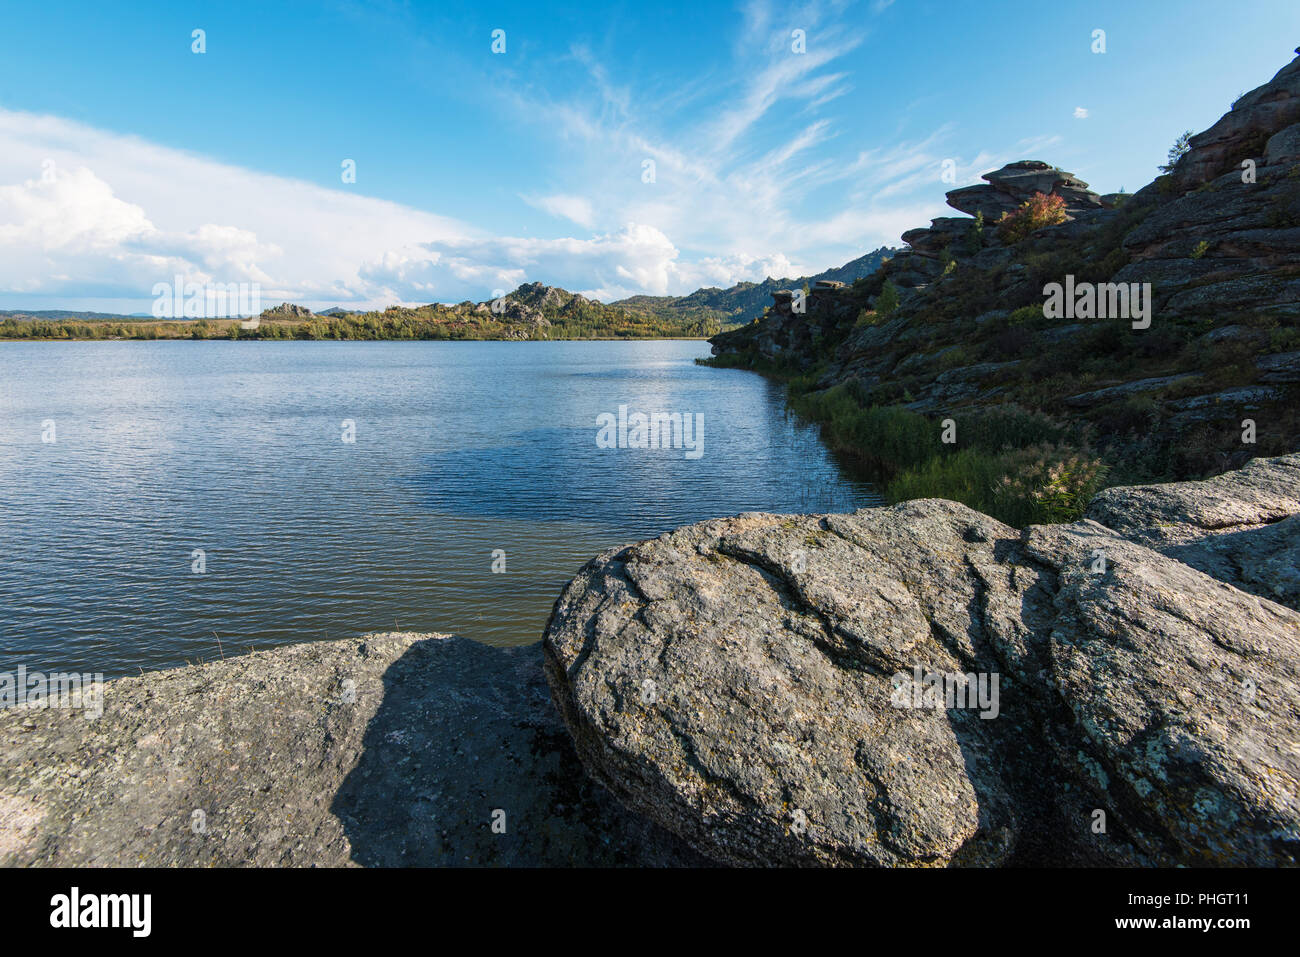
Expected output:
(461, 449)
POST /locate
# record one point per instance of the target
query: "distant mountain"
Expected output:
(746, 301)
(64, 314)
(701, 313)
(533, 311)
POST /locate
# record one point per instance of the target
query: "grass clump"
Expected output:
(1019, 466)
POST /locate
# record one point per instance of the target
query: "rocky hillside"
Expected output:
(922, 685)
(533, 311)
(746, 301)
(959, 328)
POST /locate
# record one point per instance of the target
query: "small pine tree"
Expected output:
(1177, 151)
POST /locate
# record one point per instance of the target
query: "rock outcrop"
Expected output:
(757, 685)
(286, 310)
(1017, 182)
(1007, 189)
(954, 237)
(1261, 123)
(798, 319)
(393, 749)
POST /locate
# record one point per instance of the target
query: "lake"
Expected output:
(160, 497)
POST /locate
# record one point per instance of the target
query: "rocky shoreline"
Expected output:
(753, 690)
(389, 750)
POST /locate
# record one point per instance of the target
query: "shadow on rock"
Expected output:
(466, 763)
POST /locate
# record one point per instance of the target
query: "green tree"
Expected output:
(887, 301)
(1178, 151)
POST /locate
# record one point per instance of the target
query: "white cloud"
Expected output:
(68, 209)
(95, 219)
(635, 259)
(94, 215)
(1080, 113)
(66, 233)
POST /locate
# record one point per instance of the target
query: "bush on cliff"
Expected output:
(1035, 213)
(887, 301)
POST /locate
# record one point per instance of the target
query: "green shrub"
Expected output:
(1036, 485)
(975, 235)
(887, 301)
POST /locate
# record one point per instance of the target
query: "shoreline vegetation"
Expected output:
(532, 312)
(1022, 467)
(226, 335)
(426, 323)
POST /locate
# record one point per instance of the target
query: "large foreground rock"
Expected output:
(393, 749)
(733, 680)
(738, 682)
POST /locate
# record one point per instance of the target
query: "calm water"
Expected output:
(460, 449)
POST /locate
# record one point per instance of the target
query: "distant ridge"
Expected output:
(525, 313)
(73, 314)
(746, 301)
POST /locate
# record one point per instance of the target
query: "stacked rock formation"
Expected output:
(1006, 189)
(1017, 182)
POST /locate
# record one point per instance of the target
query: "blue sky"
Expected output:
(126, 158)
